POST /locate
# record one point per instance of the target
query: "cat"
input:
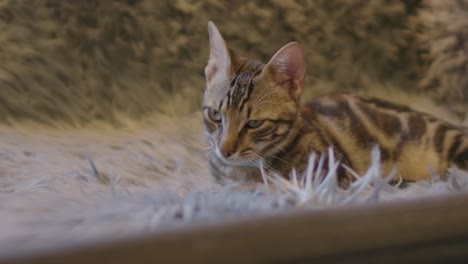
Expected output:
(253, 119)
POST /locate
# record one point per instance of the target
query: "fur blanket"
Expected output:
(63, 187)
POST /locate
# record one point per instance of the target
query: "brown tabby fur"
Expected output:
(239, 90)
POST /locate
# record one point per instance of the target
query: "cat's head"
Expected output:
(249, 108)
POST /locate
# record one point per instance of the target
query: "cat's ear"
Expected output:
(221, 60)
(287, 67)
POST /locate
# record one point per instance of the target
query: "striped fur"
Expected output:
(252, 116)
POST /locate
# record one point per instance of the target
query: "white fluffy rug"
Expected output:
(67, 186)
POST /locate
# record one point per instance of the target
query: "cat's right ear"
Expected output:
(220, 60)
(287, 67)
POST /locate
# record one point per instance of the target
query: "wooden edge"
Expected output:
(431, 230)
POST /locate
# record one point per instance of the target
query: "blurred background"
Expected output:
(75, 62)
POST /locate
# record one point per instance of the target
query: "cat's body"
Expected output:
(253, 116)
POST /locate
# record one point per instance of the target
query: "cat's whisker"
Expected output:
(282, 160)
(261, 162)
(279, 149)
(264, 102)
(261, 97)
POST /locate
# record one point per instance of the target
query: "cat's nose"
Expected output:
(227, 152)
(228, 146)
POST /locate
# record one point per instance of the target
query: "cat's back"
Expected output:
(412, 139)
(341, 105)
(351, 110)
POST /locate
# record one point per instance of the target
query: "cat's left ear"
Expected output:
(287, 67)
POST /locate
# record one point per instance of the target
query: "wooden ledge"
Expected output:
(428, 230)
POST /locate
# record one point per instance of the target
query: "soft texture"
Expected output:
(69, 186)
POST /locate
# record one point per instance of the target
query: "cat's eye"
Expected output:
(214, 115)
(254, 123)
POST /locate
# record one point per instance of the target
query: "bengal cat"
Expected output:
(252, 116)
